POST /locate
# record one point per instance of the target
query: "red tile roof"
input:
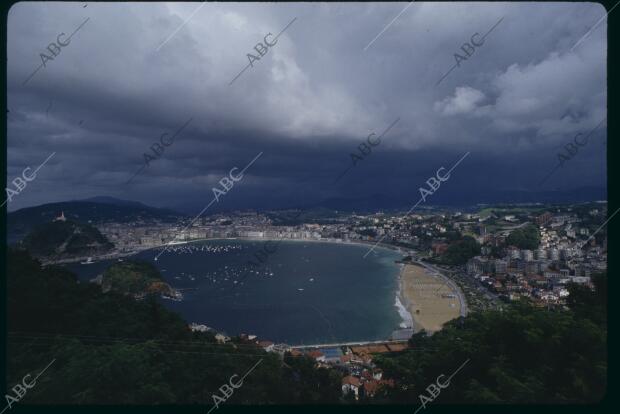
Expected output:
(315, 354)
(350, 380)
(371, 387)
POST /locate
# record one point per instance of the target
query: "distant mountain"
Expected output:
(115, 201)
(461, 197)
(94, 211)
(65, 239)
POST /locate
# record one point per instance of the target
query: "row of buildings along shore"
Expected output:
(570, 248)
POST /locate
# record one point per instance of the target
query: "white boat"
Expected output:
(88, 261)
(301, 289)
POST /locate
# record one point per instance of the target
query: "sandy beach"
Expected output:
(430, 302)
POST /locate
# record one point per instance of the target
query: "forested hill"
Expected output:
(65, 239)
(94, 211)
(137, 278)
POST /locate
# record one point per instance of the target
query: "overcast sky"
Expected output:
(135, 71)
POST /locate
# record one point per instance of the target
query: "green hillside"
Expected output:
(134, 278)
(65, 239)
(98, 210)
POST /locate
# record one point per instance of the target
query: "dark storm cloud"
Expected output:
(306, 104)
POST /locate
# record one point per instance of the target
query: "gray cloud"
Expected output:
(307, 103)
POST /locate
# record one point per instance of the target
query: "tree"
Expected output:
(521, 355)
(589, 303)
(524, 238)
(461, 251)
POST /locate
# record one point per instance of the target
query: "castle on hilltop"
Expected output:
(61, 217)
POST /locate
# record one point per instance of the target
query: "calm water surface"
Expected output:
(306, 292)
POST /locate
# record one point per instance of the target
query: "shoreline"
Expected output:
(401, 302)
(117, 255)
(404, 305)
(419, 294)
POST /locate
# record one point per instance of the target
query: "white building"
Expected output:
(351, 384)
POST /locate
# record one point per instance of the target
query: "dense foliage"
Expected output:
(132, 277)
(65, 238)
(527, 237)
(109, 348)
(521, 355)
(461, 251)
(589, 304)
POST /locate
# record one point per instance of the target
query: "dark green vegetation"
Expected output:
(521, 355)
(527, 237)
(460, 251)
(110, 348)
(62, 239)
(591, 305)
(135, 278)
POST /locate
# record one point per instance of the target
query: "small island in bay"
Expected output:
(138, 279)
